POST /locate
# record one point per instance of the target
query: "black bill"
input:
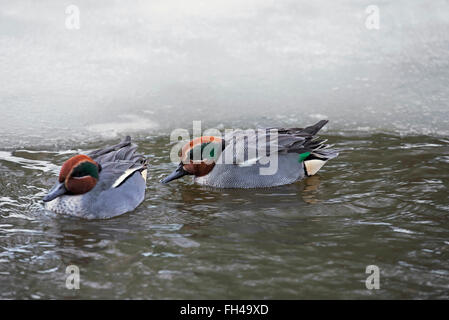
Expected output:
(178, 173)
(58, 190)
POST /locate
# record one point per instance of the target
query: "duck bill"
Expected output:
(178, 173)
(58, 190)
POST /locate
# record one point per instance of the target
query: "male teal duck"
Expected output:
(298, 154)
(102, 184)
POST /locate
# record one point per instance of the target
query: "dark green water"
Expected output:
(383, 201)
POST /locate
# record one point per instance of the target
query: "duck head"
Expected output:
(78, 175)
(208, 148)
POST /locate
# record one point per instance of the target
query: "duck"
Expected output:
(298, 152)
(101, 184)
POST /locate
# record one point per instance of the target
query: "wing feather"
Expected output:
(243, 145)
(118, 162)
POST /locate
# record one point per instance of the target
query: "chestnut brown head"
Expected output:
(197, 158)
(78, 175)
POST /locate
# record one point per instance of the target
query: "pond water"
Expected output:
(382, 202)
(145, 68)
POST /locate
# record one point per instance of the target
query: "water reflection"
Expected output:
(254, 198)
(311, 186)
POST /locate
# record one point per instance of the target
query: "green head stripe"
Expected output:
(211, 150)
(85, 168)
(303, 156)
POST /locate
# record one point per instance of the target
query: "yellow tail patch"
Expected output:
(144, 174)
(313, 166)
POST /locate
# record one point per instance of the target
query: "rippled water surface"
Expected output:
(383, 201)
(143, 68)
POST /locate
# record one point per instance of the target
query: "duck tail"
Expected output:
(318, 158)
(313, 151)
(321, 152)
(313, 130)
